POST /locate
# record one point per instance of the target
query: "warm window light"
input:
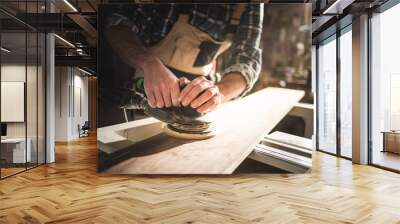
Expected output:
(65, 41)
(5, 50)
(70, 5)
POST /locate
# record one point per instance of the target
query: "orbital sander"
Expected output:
(181, 121)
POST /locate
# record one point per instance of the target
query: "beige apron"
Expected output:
(179, 49)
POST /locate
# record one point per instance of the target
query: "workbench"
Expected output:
(140, 147)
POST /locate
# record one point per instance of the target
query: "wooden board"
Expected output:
(285, 151)
(242, 124)
(294, 140)
(116, 137)
(281, 159)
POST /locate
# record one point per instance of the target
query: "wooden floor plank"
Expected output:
(70, 191)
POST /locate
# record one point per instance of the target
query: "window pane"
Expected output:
(385, 114)
(327, 96)
(31, 99)
(15, 149)
(346, 94)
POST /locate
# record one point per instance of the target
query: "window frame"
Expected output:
(333, 37)
(27, 29)
(378, 10)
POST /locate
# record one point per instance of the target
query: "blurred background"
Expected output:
(286, 44)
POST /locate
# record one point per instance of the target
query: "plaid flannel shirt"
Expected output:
(152, 22)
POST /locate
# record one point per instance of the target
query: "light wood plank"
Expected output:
(287, 147)
(281, 159)
(294, 140)
(241, 123)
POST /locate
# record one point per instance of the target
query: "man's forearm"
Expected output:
(232, 85)
(128, 46)
(160, 84)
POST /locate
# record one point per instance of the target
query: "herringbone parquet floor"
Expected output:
(70, 191)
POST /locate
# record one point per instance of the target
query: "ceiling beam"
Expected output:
(73, 13)
(81, 61)
(337, 7)
(320, 22)
(86, 26)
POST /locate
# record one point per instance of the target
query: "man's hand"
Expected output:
(206, 96)
(201, 94)
(160, 84)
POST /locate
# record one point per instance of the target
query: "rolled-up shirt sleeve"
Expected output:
(245, 52)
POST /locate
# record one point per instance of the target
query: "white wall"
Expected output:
(71, 87)
(13, 100)
(81, 83)
(62, 81)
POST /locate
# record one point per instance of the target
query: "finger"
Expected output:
(204, 97)
(190, 86)
(210, 105)
(150, 97)
(183, 81)
(175, 91)
(159, 98)
(195, 91)
(166, 95)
